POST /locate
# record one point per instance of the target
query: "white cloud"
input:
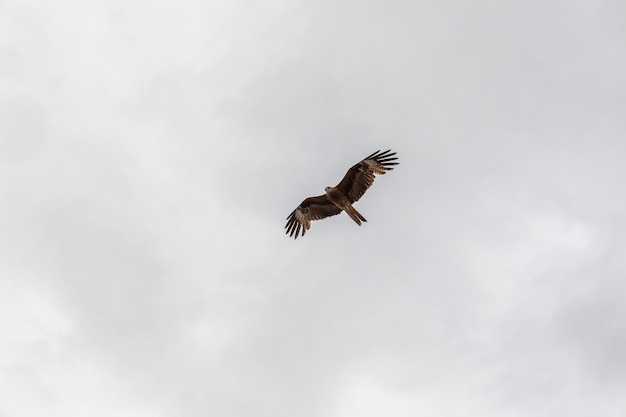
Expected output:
(149, 153)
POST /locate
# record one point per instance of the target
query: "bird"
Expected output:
(340, 198)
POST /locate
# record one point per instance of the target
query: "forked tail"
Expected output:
(354, 215)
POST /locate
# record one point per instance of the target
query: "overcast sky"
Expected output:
(150, 152)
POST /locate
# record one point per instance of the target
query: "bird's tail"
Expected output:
(354, 215)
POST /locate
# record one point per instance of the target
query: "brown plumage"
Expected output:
(340, 198)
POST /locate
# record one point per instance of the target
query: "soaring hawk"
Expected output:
(340, 198)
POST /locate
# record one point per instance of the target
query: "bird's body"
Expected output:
(340, 198)
(343, 202)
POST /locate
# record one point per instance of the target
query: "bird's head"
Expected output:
(327, 189)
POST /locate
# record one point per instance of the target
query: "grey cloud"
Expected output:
(144, 202)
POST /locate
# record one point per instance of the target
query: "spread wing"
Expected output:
(313, 208)
(361, 176)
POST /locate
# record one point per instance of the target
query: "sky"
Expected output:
(150, 152)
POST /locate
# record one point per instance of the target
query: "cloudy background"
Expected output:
(150, 152)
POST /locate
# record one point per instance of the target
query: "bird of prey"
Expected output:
(340, 198)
